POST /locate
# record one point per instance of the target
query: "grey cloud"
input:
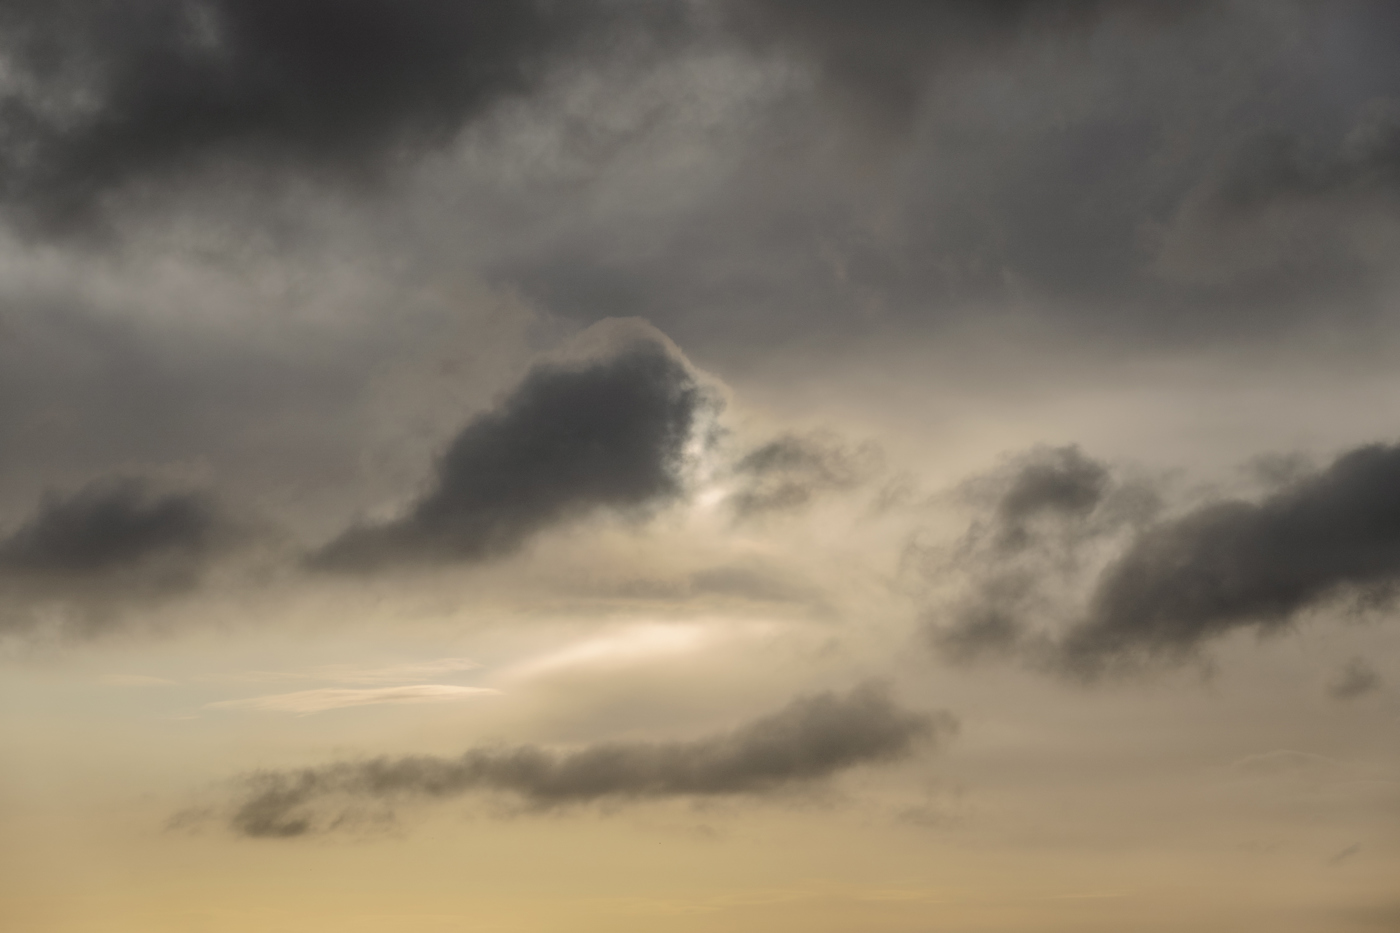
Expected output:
(1068, 173)
(790, 471)
(811, 739)
(1284, 203)
(1041, 511)
(100, 94)
(1056, 481)
(572, 438)
(1237, 564)
(1355, 679)
(106, 527)
(113, 541)
(881, 53)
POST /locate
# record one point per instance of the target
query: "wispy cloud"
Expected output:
(135, 680)
(305, 702)
(410, 671)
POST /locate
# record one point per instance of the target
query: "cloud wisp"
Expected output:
(305, 702)
(811, 739)
(789, 472)
(572, 438)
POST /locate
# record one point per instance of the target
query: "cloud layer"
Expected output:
(811, 739)
(101, 96)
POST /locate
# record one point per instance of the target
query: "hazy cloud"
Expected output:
(570, 439)
(1355, 679)
(882, 53)
(1041, 511)
(1056, 482)
(812, 738)
(788, 472)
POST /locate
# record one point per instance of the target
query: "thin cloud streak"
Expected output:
(811, 739)
(305, 702)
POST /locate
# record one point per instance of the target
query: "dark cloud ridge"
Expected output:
(812, 738)
(609, 433)
(1235, 564)
(113, 540)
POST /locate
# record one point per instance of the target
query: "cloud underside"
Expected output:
(571, 439)
(811, 739)
(105, 95)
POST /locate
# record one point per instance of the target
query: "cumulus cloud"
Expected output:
(572, 438)
(1238, 564)
(97, 95)
(788, 472)
(811, 739)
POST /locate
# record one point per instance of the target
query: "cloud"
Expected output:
(881, 54)
(1042, 510)
(1057, 481)
(328, 698)
(99, 95)
(1236, 564)
(1283, 204)
(352, 674)
(113, 540)
(788, 472)
(572, 438)
(811, 739)
(1355, 679)
(108, 527)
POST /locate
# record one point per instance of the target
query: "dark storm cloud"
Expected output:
(789, 472)
(1077, 162)
(88, 554)
(102, 93)
(570, 439)
(811, 739)
(1237, 564)
(107, 527)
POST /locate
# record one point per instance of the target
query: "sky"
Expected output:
(691, 465)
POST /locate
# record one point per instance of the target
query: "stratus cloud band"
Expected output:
(812, 738)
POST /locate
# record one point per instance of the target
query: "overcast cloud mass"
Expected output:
(578, 382)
